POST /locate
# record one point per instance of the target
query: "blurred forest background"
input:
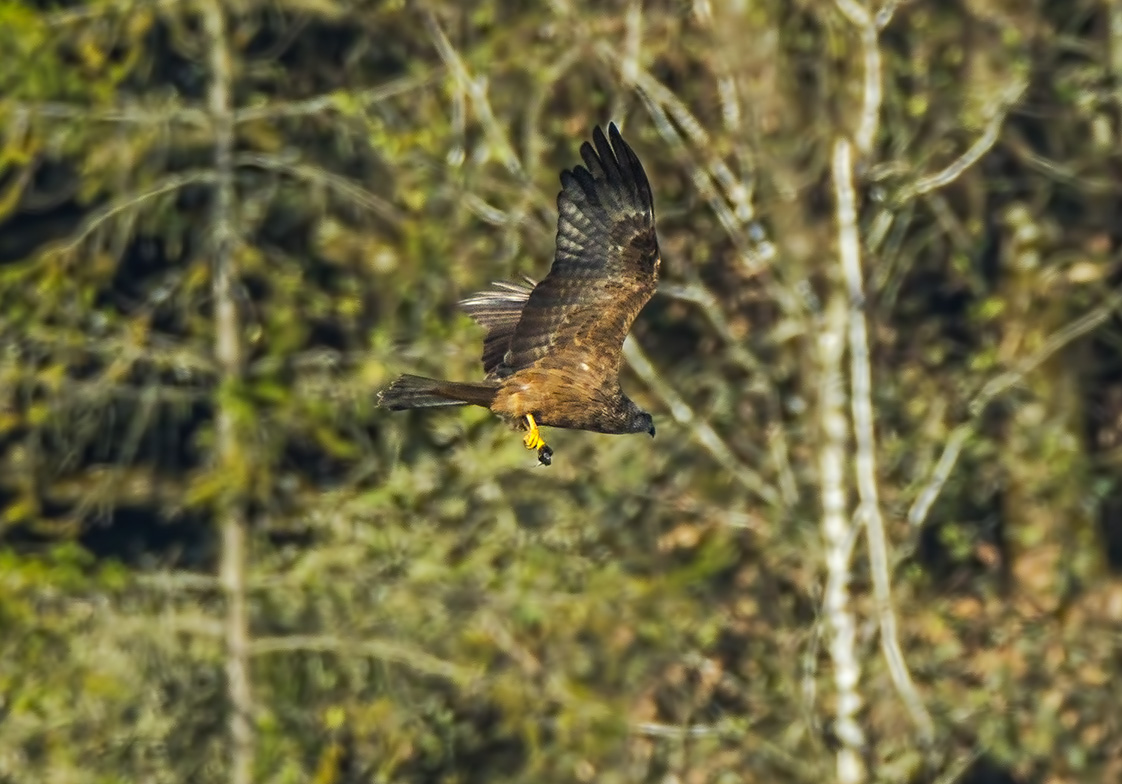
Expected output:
(878, 537)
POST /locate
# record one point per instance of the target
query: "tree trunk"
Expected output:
(228, 351)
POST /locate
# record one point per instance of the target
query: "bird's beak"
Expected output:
(651, 431)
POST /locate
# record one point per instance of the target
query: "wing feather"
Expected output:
(498, 310)
(605, 268)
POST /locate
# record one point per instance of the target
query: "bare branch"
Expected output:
(732, 729)
(97, 10)
(736, 190)
(886, 12)
(655, 730)
(996, 387)
(1054, 342)
(143, 114)
(864, 435)
(475, 90)
(121, 114)
(323, 103)
(975, 152)
(940, 474)
(319, 176)
(385, 650)
(702, 431)
(131, 201)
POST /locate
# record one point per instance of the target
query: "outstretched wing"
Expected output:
(605, 268)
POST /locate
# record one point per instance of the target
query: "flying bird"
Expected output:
(552, 350)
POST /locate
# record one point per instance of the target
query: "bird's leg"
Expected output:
(533, 439)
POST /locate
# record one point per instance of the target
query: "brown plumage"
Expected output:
(552, 350)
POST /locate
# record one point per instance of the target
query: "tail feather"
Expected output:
(419, 392)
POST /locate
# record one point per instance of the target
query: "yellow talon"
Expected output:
(533, 439)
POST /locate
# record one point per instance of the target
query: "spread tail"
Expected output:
(420, 392)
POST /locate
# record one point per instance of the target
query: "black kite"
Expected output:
(551, 353)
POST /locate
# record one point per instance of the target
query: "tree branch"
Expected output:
(861, 405)
(385, 650)
(476, 92)
(343, 186)
(115, 207)
(996, 387)
(333, 100)
(701, 430)
(974, 153)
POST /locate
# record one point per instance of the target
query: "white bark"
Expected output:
(861, 404)
(228, 353)
(839, 534)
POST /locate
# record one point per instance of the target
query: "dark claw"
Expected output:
(545, 455)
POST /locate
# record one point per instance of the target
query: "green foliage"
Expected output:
(425, 603)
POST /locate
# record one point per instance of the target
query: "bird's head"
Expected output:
(641, 422)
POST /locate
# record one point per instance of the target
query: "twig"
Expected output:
(703, 178)
(654, 730)
(659, 95)
(837, 531)
(1114, 14)
(129, 201)
(974, 153)
(796, 766)
(197, 117)
(334, 100)
(886, 12)
(960, 767)
(708, 304)
(702, 431)
(476, 91)
(319, 176)
(95, 10)
(864, 435)
(632, 41)
(939, 474)
(384, 650)
(996, 387)
(124, 115)
(485, 212)
(1053, 343)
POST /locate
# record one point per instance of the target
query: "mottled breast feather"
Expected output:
(604, 271)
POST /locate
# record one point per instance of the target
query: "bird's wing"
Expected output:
(497, 310)
(605, 268)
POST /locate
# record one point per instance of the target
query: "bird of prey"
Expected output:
(551, 353)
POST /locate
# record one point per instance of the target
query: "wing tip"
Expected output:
(621, 167)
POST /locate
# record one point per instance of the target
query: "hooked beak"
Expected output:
(652, 430)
